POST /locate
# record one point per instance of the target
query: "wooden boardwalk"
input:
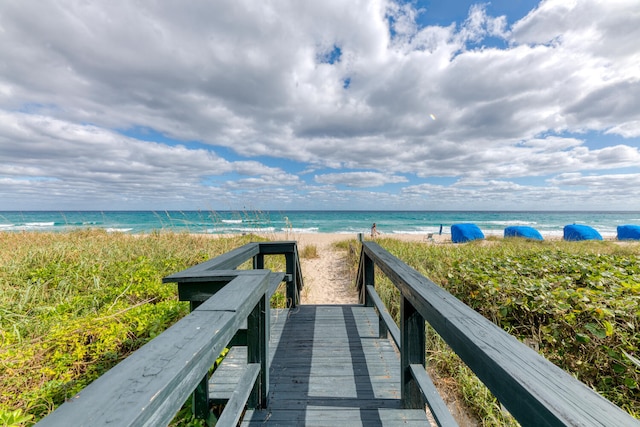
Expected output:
(328, 368)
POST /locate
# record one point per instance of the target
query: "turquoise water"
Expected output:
(348, 222)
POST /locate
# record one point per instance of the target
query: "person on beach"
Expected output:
(374, 231)
(440, 233)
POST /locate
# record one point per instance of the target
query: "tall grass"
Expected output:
(579, 302)
(74, 304)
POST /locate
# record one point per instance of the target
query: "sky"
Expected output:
(330, 105)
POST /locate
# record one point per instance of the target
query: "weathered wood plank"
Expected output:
(233, 410)
(206, 285)
(276, 248)
(336, 416)
(241, 294)
(275, 281)
(150, 386)
(143, 391)
(438, 408)
(392, 327)
(224, 379)
(412, 351)
(226, 261)
(330, 368)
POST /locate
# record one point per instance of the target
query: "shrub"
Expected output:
(580, 302)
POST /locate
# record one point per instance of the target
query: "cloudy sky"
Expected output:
(333, 104)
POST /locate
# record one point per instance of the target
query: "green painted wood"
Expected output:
(200, 401)
(338, 416)
(383, 313)
(241, 294)
(293, 291)
(225, 378)
(258, 350)
(162, 373)
(227, 261)
(328, 367)
(412, 337)
(150, 386)
(534, 391)
(201, 291)
(235, 406)
(366, 276)
(278, 248)
(438, 408)
(145, 390)
(275, 281)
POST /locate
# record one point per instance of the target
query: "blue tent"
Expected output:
(629, 232)
(574, 232)
(461, 233)
(522, 231)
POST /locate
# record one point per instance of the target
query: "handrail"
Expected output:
(152, 384)
(532, 389)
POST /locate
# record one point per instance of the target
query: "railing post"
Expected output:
(200, 397)
(292, 285)
(369, 279)
(258, 351)
(258, 262)
(412, 351)
(200, 403)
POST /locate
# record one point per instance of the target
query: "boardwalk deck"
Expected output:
(328, 368)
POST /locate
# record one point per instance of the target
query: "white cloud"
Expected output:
(254, 78)
(608, 182)
(359, 179)
(87, 164)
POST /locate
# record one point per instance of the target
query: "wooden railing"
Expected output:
(151, 385)
(232, 306)
(532, 389)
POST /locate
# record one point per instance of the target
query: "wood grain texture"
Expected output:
(328, 367)
(150, 386)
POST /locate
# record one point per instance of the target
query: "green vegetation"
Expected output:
(309, 252)
(72, 305)
(579, 302)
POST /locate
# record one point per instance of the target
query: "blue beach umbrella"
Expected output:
(461, 233)
(575, 232)
(629, 232)
(522, 231)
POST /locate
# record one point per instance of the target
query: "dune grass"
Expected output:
(74, 304)
(578, 302)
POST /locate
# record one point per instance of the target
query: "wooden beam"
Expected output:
(150, 386)
(227, 261)
(235, 406)
(412, 351)
(438, 408)
(390, 324)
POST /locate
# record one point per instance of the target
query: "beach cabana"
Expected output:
(575, 232)
(523, 231)
(629, 232)
(461, 233)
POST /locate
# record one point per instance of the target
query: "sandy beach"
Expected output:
(326, 279)
(322, 239)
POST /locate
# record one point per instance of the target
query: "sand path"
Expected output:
(327, 281)
(326, 278)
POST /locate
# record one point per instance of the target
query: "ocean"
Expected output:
(346, 222)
